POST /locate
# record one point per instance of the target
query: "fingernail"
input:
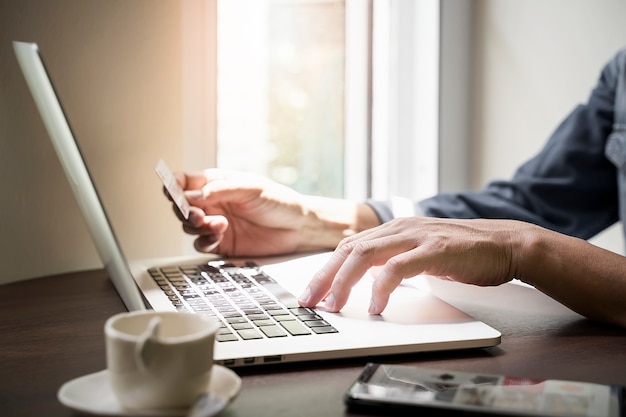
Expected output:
(193, 194)
(305, 297)
(373, 309)
(330, 302)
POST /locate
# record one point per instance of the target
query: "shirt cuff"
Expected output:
(394, 208)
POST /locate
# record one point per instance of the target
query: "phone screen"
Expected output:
(402, 386)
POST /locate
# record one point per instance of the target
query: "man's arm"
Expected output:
(584, 277)
(569, 186)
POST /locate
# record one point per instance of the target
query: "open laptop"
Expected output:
(264, 324)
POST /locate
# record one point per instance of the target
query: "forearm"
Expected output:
(588, 279)
(328, 220)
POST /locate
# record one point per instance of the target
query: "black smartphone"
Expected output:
(400, 389)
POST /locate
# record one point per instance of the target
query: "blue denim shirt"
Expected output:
(576, 184)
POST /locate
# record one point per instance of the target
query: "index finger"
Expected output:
(321, 282)
(347, 265)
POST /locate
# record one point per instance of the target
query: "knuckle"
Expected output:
(364, 249)
(361, 249)
(394, 266)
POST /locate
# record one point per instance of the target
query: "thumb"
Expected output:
(194, 195)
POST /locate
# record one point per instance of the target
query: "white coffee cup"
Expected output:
(159, 360)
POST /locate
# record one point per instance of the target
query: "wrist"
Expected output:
(534, 254)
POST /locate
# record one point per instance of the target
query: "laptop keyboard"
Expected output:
(249, 303)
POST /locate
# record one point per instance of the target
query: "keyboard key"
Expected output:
(242, 326)
(255, 317)
(286, 317)
(236, 320)
(272, 306)
(316, 323)
(280, 312)
(261, 323)
(301, 311)
(226, 337)
(273, 331)
(249, 334)
(324, 330)
(202, 308)
(309, 317)
(281, 294)
(295, 328)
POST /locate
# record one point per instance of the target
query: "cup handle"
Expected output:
(146, 345)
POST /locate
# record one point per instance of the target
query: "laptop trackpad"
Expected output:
(407, 305)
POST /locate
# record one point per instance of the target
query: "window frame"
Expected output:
(405, 111)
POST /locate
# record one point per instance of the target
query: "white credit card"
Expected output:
(173, 188)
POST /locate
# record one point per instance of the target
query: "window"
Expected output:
(281, 91)
(328, 96)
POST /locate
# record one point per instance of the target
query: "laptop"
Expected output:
(254, 299)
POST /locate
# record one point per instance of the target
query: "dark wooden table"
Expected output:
(51, 332)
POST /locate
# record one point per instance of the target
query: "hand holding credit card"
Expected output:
(173, 188)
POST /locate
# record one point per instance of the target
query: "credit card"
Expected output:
(173, 188)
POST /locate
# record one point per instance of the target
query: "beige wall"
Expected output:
(124, 70)
(534, 60)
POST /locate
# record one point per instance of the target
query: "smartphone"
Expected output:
(394, 389)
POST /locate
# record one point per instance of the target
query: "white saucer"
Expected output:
(92, 394)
